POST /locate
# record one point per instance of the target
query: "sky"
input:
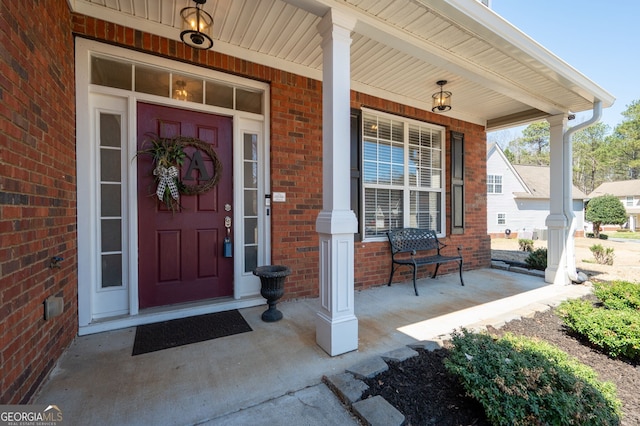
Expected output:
(599, 38)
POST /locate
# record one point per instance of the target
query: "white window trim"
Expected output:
(494, 184)
(405, 187)
(498, 218)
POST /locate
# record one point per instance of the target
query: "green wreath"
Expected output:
(168, 155)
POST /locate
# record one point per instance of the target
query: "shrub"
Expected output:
(618, 294)
(525, 244)
(603, 256)
(600, 236)
(614, 331)
(521, 381)
(537, 259)
(605, 210)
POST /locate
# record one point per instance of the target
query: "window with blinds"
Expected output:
(403, 174)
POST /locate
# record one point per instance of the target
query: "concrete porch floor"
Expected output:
(273, 374)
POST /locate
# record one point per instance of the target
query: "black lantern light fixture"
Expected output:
(196, 26)
(441, 100)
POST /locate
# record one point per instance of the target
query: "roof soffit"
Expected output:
(498, 32)
(399, 49)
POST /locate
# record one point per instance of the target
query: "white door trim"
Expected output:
(246, 286)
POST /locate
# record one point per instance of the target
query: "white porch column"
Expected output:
(336, 323)
(558, 222)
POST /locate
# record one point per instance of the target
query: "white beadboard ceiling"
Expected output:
(499, 77)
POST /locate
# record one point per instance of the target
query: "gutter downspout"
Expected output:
(568, 200)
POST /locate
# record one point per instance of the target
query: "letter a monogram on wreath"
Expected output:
(169, 155)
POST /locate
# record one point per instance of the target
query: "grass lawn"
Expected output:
(628, 235)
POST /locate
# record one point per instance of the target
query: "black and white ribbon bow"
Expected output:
(167, 178)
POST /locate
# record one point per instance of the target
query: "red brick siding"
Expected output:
(296, 169)
(37, 191)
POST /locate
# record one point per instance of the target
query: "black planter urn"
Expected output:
(272, 279)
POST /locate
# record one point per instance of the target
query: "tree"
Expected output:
(605, 210)
(536, 136)
(590, 157)
(510, 156)
(533, 147)
(625, 144)
(501, 137)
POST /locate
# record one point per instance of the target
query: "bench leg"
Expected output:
(459, 271)
(436, 271)
(391, 276)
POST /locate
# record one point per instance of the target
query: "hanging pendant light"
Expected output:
(441, 100)
(196, 26)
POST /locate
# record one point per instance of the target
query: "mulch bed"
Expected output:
(426, 394)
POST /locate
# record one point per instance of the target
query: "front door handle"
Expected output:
(227, 250)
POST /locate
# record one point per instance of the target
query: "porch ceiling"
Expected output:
(499, 77)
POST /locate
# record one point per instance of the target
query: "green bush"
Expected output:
(592, 235)
(615, 331)
(537, 259)
(605, 210)
(618, 294)
(525, 244)
(603, 256)
(521, 381)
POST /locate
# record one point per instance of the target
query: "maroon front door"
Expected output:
(180, 253)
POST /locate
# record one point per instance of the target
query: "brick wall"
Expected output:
(37, 191)
(296, 168)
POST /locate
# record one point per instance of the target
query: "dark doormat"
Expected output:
(184, 331)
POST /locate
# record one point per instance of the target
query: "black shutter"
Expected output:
(356, 161)
(457, 183)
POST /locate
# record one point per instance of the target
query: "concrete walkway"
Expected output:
(273, 375)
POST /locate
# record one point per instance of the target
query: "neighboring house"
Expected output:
(628, 192)
(312, 132)
(518, 198)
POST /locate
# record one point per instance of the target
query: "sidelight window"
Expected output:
(110, 143)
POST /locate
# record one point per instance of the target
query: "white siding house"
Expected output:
(628, 192)
(518, 198)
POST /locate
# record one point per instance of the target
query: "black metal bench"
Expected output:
(413, 240)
